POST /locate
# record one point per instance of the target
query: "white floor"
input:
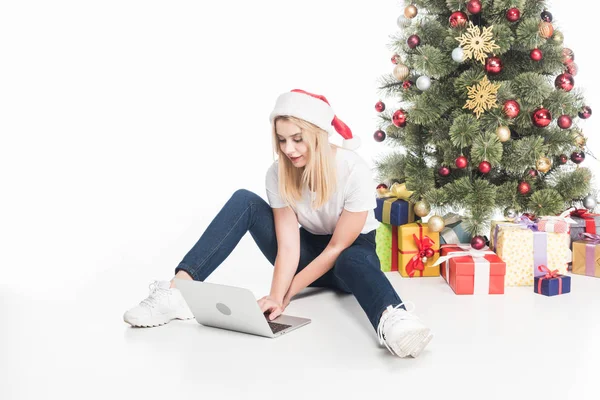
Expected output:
(70, 342)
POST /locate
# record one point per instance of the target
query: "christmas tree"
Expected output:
(489, 118)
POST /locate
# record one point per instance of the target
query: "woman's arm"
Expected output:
(288, 252)
(346, 231)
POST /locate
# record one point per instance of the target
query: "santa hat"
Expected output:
(315, 109)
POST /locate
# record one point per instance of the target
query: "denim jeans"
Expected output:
(356, 270)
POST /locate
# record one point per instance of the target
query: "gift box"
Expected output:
(386, 240)
(393, 211)
(418, 250)
(558, 224)
(455, 233)
(522, 249)
(495, 227)
(470, 271)
(585, 222)
(586, 256)
(552, 283)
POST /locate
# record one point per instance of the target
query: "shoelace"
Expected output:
(390, 317)
(155, 293)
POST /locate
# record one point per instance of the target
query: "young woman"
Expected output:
(328, 191)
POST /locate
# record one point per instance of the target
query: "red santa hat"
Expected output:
(315, 109)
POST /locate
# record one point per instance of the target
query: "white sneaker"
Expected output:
(402, 332)
(160, 307)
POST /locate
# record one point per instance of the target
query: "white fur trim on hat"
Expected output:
(305, 107)
(351, 144)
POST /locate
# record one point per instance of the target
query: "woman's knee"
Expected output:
(244, 196)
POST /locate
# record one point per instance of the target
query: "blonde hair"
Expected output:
(319, 173)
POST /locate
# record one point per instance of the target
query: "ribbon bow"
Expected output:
(565, 216)
(416, 262)
(467, 251)
(397, 191)
(451, 218)
(549, 274)
(580, 213)
(526, 223)
(591, 238)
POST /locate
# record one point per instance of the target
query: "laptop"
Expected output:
(233, 308)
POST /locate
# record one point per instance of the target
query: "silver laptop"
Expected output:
(233, 308)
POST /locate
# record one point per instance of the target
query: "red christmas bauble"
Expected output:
(484, 167)
(395, 59)
(399, 118)
(382, 186)
(578, 157)
(474, 6)
(493, 65)
(413, 41)
(379, 135)
(458, 19)
(564, 121)
(461, 162)
(532, 173)
(541, 117)
(478, 242)
(536, 55)
(429, 252)
(563, 159)
(572, 68)
(524, 188)
(444, 171)
(565, 82)
(585, 112)
(511, 109)
(380, 106)
(546, 16)
(406, 85)
(513, 14)
(568, 56)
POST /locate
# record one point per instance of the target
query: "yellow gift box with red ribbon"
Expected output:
(418, 250)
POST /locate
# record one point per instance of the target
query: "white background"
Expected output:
(126, 125)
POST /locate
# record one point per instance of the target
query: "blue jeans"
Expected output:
(356, 270)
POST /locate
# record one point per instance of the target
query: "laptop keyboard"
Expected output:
(275, 327)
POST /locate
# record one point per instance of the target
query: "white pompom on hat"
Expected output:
(315, 109)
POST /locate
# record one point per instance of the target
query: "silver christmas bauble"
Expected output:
(590, 202)
(403, 22)
(458, 55)
(423, 83)
(510, 214)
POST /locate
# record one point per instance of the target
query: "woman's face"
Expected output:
(291, 142)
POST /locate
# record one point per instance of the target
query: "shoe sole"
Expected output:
(412, 343)
(415, 353)
(155, 323)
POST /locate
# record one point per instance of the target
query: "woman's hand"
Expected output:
(272, 306)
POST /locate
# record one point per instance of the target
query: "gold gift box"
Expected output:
(407, 249)
(586, 260)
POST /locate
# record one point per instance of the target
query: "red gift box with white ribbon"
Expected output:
(470, 271)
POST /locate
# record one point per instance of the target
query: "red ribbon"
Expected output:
(549, 275)
(416, 263)
(590, 223)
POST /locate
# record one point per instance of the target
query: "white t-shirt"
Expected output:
(355, 192)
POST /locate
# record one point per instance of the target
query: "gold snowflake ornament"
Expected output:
(482, 97)
(477, 43)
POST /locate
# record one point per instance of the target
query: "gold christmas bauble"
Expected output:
(543, 164)
(580, 140)
(546, 29)
(436, 223)
(401, 72)
(503, 133)
(421, 208)
(558, 37)
(411, 11)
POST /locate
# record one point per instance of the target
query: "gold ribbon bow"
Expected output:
(397, 192)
